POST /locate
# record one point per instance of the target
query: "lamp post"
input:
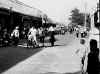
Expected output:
(85, 22)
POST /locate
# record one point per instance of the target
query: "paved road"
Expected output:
(53, 60)
(65, 39)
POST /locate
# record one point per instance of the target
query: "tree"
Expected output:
(78, 17)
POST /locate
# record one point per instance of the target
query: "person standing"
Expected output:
(1, 36)
(15, 35)
(52, 37)
(41, 35)
(6, 37)
(93, 66)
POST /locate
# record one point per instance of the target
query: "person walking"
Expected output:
(82, 52)
(32, 35)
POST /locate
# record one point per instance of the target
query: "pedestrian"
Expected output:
(24, 35)
(77, 33)
(93, 58)
(82, 52)
(32, 35)
(15, 35)
(41, 35)
(6, 38)
(1, 36)
(52, 37)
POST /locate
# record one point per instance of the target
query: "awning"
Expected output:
(17, 6)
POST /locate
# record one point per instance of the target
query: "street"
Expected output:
(58, 59)
(10, 56)
(49, 37)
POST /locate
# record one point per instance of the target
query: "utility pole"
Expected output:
(85, 22)
(10, 16)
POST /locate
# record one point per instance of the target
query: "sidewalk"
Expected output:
(60, 59)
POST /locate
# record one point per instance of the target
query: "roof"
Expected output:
(17, 6)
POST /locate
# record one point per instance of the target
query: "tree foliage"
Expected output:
(78, 17)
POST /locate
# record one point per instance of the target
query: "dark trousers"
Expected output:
(77, 34)
(42, 39)
(16, 41)
(52, 38)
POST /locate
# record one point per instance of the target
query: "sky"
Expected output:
(59, 10)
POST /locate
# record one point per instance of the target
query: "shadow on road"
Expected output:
(10, 56)
(61, 73)
(55, 45)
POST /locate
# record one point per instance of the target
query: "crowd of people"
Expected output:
(79, 32)
(33, 35)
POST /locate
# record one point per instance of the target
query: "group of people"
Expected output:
(7, 38)
(79, 31)
(38, 35)
(33, 35)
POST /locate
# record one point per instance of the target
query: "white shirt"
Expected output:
(15, 33)
(33, 31)
(51, 29)
(83, 52)
(40, 31)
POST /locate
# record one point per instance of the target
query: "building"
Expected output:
(94, 31)
(13, 13)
